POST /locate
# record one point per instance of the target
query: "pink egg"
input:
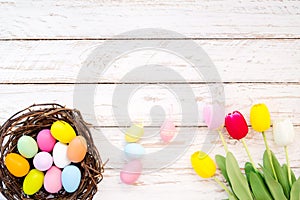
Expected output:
(52, 180)
(42, 161)
(167, 131)
(45, 140)
(131, 172)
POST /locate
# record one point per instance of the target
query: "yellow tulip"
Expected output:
(260, 117)
(203, 165)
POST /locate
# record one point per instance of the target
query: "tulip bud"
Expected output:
(203, 165)
(236, 125)
(283, 131)
(214, 116)
(260, 117)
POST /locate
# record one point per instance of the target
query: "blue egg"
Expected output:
(134, 150)
(71, 177)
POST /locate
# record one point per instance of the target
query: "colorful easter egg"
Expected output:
(131, 172)
(71, 177)
(52, 180)
(16, 164)
(134, 133)
(33, 182)
(167, 131)
(62, 131)
(27, 146)
(42, 161)
(59, 154)
(77, 149)
(134, 150)
(45, 140)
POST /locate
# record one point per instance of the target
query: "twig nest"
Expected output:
(38, 162)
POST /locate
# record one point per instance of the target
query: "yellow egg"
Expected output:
(62, 131)
(77, 149)
(16, 164)
(33, 182)
(134, 133)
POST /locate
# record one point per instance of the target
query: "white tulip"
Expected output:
(283, 131)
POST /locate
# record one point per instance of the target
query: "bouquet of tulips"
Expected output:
(267, 181)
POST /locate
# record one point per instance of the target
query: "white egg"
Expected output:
(60, 157)
(42, 161)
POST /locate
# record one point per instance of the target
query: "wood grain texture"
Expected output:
(253, 44)
(282, 99)
(235, 61)
(178, 178)
(104, 19)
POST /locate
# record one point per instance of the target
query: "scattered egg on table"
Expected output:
(62, 131)
(45, 140)
(167, 131)
(27, 146)
(52, 180)
(131, 172)
(59, 154)
(33, 182)
(16, 164)
(134, 150)
(77, 149)
(134, 133)
(42, 161)
(71, 177)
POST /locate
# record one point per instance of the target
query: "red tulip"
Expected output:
(236, 125)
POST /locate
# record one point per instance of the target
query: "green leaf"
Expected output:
(293, 177)
(221, 162)
(295, 192)
(266, 163)
(258, 187)
(285, 169)
(237, 179)
(232, 197)
(282, 178)
(248, 168)
(274, 187)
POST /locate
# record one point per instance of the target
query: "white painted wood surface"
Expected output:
(104, 19)
(253, 44)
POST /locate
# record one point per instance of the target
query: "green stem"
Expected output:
(269, 155)
(288, 164)
(249, 155)
(223, 140)
(223, 186)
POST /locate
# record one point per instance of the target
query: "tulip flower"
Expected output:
(236, 125)
(261, 121)
(260, 117)
(205, 167)
(214, 116)
(237, 128)
(283, 131)
(214, 119)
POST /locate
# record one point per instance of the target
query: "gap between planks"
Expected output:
(103, 39)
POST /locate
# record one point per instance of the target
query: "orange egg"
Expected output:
(77, 149)
(16, 164)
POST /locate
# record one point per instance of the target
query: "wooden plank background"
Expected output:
(253, 44)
